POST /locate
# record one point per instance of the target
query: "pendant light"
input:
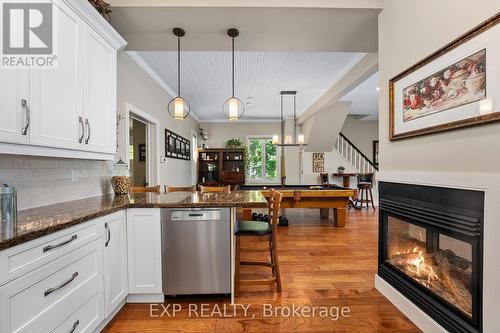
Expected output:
(288, 140)
(233, 108)
(178, 107)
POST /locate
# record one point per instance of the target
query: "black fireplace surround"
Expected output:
(431, 250)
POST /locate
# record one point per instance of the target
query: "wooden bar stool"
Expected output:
(365, 185)
(267, 230)
(140, 189)
(226, 189)
(169, 189)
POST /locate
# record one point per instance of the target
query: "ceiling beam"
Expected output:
(365, 68)
(364, 4)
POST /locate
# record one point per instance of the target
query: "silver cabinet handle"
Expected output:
(51, 247)
(88, 127)
(109, 234)
(75, 325)
(82, 129)
(62, 285)
(24, 104)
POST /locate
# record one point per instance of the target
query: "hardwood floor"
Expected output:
(321, 266)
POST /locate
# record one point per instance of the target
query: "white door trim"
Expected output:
(153, 148)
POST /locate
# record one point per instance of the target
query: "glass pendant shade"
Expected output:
(276, 139)
(178, 107)
(233, 109)
(301, 139)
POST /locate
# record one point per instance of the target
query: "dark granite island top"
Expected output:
(37, 222)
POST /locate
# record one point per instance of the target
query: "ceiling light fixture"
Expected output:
(233, 108)
(178, 107)
(287, 140)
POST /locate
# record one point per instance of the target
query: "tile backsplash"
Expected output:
(43, 181)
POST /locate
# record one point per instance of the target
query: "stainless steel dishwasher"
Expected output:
(196, 251)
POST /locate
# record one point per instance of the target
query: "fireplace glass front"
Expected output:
(438, 262)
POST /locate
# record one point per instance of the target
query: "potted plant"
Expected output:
(234, 143)
(341, 169)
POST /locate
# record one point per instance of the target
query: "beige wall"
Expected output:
(219, 133)
(408, 32)
(136, 88)
(361, 133)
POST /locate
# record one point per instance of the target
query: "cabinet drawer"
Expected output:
(44, 294)
(21, 259)
(84, 319)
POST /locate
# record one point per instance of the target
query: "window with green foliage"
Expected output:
(262, 161)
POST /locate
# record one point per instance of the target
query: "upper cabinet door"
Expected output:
(57, 93)
(99, 94)
(14, 104)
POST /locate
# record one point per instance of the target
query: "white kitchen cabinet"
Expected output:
(14, 96)
(115, 261)
(144, 251)
(56, 97)
(72, 105)
(99, 94)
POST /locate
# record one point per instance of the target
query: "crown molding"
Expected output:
(97, 22)
(139, 60)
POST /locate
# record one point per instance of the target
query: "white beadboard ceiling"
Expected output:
(259, 77)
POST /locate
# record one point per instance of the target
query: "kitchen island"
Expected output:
(83, 260)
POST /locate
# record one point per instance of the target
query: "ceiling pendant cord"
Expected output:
(178, 66)
(232, 38)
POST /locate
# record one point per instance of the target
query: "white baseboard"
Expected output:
(410, 310)
(145, 298)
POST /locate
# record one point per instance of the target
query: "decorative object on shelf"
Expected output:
(103, 8)
(202, 134)
(295, 138)
(177, 146)
(318, 162)
(178, 107)
(452, 88)
(142, 152)
(340, 169)
(234, 143)
(375, 152)
(233, 108)
(120, 177)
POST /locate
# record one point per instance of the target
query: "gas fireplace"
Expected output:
(430, 250)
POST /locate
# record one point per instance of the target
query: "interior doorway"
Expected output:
(138, 152)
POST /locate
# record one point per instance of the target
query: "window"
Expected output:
(263, 161)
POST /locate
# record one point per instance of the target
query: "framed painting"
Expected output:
(318, 162)
(456, 86)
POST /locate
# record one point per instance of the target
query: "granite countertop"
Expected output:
(37, 222)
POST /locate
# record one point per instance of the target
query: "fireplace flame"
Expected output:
(419, 267)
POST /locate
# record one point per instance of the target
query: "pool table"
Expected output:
(312, 196)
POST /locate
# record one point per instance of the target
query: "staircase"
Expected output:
(354, 156)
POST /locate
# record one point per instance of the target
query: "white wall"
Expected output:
(219, 133)
(137, 88)
(465, 158)
(361, 133)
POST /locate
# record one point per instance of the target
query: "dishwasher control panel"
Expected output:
(196, 215)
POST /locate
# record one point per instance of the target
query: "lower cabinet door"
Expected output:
(115, 260)
(144, 251)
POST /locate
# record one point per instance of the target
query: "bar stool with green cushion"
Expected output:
(264, 230)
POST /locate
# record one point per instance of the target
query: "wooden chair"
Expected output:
(260, 229)
(139, 189)
(169, 189)
(365, 185)
(226, 189)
